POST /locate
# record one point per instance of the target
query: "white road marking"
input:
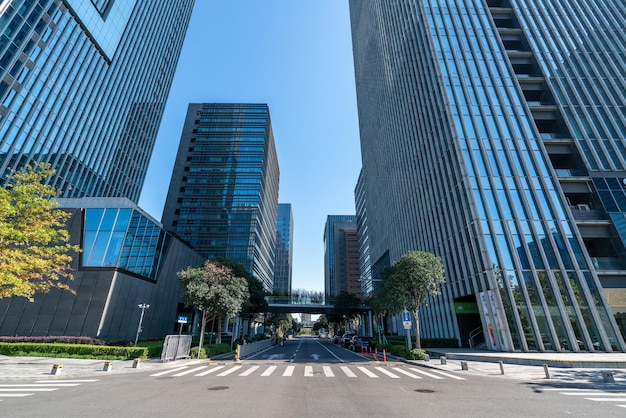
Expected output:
(29, 389)
(68, 381)
(308, 371)
(229, 371)
(190, 371)
(607, 399)
(214, 369)
(426, 374)
(269, 371)
(328, 372)
(448, 375)
(39, 385)
(169, 371)
(387, 372)
(15, 395)
(289, 371)
(347, 371)
(414, 376)
(367, 372)
(249, 371)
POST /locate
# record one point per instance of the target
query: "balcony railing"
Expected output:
(607, 263)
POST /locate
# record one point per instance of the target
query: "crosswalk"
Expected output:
(618, 397)
(21, 390)
(375, 372)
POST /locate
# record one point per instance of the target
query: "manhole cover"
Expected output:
(424, 391)
(219, 388)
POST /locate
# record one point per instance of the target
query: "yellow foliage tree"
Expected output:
(34, 241)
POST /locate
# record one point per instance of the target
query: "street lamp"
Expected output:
(143, 307)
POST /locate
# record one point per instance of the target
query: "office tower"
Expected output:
(284, 250)
(341, 257)
(493, 135)
(368, 285)
(83, 86)
(127, 260)
(223, 195)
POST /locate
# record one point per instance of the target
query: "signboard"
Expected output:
(182, 319)
(406, 319)
(466, 308)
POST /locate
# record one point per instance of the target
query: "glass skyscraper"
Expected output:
(493, 134)
(341, 266)
(284, 249)
(83, 86)
(223, 195)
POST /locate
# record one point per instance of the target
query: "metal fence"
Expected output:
(176, 347)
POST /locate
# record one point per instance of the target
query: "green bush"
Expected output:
(416, 354)
(73, 351)
(193, 353)
(216, 349)
(399, 350)
(382, 346)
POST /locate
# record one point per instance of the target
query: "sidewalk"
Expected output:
(41, 367)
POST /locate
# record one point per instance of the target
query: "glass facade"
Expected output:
(462, 136)
(284, 250)
(335, 278)
(368, 285)
(83, 87)
(124, 238)
(223, 196)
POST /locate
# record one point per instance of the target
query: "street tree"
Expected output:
(34, 242)
(214, 290)
(407, 283)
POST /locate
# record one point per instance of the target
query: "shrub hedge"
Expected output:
(72, 350)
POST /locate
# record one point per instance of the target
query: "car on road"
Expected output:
(336, 339)
(358, 343)
(346, 338)
(324, 335)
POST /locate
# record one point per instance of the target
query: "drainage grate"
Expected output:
(218, 388)
(424, 391)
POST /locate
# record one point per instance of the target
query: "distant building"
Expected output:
(83, 86)
(493, 134)
(127, 259)
(223, 195)
(341, 256)
(284, 249)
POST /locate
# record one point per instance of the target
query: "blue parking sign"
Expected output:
(406, 316)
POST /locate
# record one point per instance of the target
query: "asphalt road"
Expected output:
(304, 378)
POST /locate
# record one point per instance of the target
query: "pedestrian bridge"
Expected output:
(292, 304)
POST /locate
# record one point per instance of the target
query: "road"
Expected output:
(304, 378)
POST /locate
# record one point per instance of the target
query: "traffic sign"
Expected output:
(182, 319)
(406, 319)
(406, 316)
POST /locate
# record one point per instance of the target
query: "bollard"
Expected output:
(237, 352)
(443, 359)
(384, 355)
(56, 369)
(136, 363)
(426, 357)
(376, 354)
(501, 367)
(108, 366)
(464, 365)
(546, 371)
(607, 376)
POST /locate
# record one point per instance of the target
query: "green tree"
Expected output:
(214, 290)
(256, 303)
(407, 283)
(34, 242)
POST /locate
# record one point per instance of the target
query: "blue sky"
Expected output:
(296, 56)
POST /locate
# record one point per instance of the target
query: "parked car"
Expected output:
(358, 342)
(336, 339)
(345, 339)
(324, 335)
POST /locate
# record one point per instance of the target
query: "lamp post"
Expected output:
(143, 307)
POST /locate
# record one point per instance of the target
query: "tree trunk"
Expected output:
(418, 343)
(219, 329)
(202, 332)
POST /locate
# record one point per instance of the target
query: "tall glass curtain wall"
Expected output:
(231, 191)
(486, 200)
(87, 97)
(548, 292)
